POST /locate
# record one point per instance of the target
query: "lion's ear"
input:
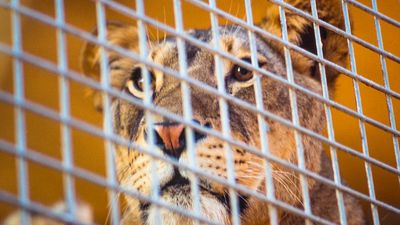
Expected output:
(118, 34)
(301, 33)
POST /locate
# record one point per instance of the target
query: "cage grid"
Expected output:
(65, 75)
(331, 135)
(359, 110)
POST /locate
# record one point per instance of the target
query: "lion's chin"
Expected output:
(211, 208)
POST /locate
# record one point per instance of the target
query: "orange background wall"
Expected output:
(41, 86)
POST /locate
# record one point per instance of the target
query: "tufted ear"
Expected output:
(118, 34)
(301, 33)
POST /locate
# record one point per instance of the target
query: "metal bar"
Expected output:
(64, 104)
(93, 84)
(368, 170)
(224, 116)
(20, 123)
(386, 81)
(187, 108)
(262, 125)
(375, 12)
(148, 99)
(295, 118)
(113, 197)
(49, 113)
(328, 115)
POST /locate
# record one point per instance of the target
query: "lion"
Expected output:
(134, 167)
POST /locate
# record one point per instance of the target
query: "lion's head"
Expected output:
(168, 138)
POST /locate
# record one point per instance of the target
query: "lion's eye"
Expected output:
(135, 84)
(240, 73)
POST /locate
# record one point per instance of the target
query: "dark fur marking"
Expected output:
(224, 199)
(117, 118)
(133, 127)
(308, 43)
(144, 206)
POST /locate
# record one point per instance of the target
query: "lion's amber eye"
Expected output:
(135, 84)
(240, 73)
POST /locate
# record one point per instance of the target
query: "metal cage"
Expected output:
(54, 147)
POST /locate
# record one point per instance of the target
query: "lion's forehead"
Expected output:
(166, 53)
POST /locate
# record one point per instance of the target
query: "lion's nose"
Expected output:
(170, 138)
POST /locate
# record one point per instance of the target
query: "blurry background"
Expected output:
(41, 86)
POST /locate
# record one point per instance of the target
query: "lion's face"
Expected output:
(135, 169)
(174, 183)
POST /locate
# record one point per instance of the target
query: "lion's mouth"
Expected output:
(181, 186)
(177, 182)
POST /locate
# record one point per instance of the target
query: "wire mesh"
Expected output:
(25, 207)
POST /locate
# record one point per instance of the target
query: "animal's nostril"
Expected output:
(208, 125)
(168, 135)
(171, 138)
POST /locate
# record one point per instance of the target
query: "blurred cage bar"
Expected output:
(53, 146)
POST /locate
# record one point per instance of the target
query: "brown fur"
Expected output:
(334, 45)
